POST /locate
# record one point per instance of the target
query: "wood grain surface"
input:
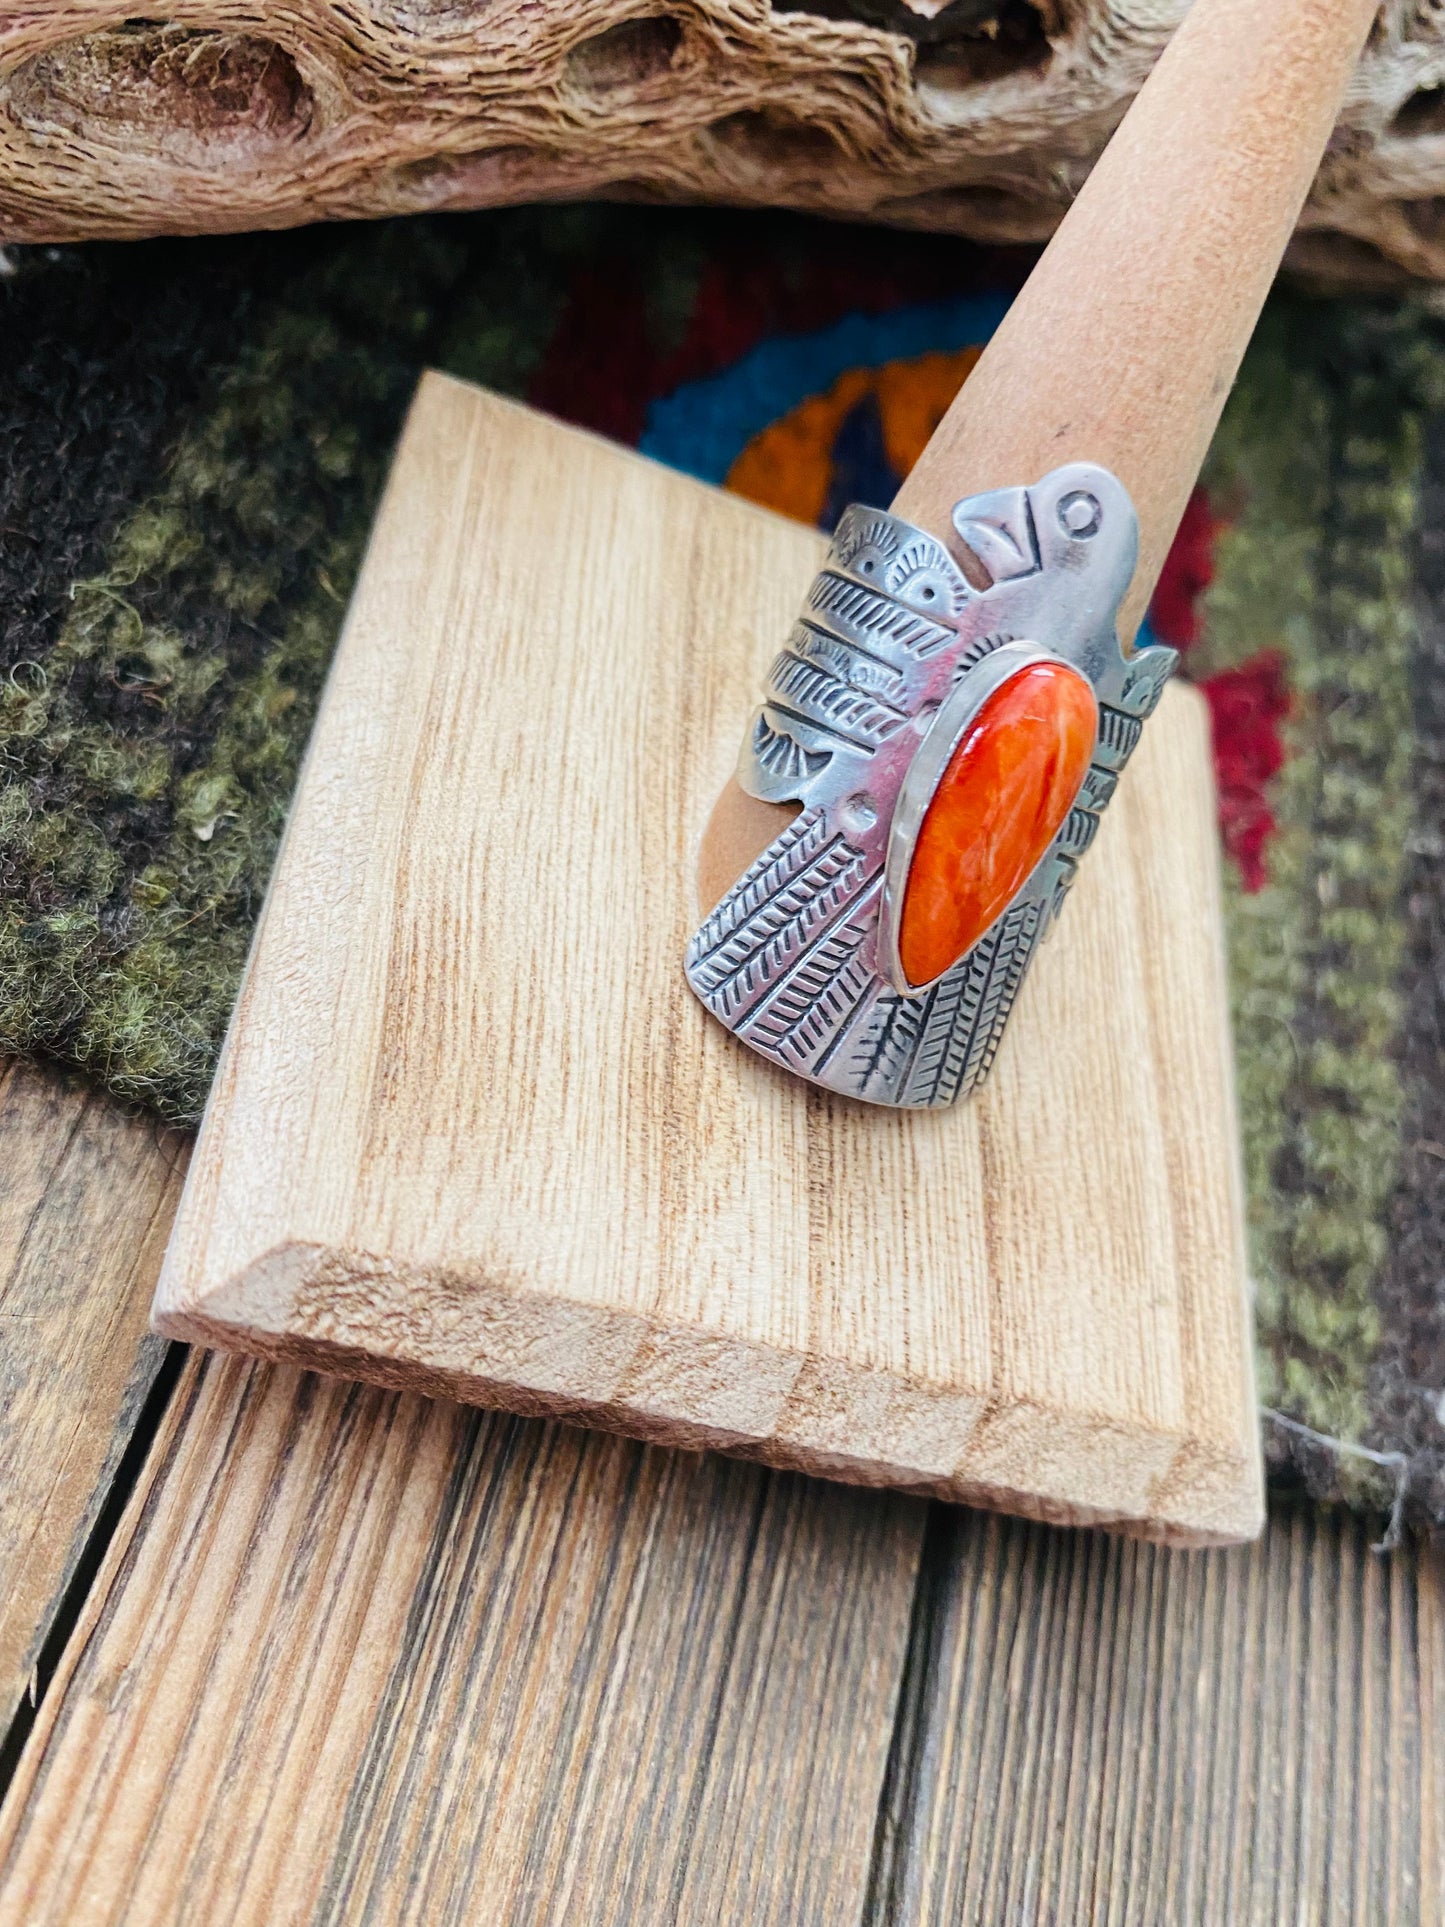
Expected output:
(359, 1658)
(390, 1660)
(471, 1133)
(376, 1660)
(1100, 1731)
(86, 1201)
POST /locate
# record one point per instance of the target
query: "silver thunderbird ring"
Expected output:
(951, 748)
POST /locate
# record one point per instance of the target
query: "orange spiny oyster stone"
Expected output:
(998, 806)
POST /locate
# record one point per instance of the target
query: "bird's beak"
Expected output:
(999, 529)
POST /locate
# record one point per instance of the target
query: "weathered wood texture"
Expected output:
(980, 118)
(471, 1132)
(356, 1658)
(392, 1660)
(86, 1201)
(368, 1659)
(1098, 1731)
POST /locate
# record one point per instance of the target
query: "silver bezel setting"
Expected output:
(925, 773)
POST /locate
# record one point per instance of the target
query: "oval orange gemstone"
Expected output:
(1000, 803)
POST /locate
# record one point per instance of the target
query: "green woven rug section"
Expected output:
(193, 437)
(1327, 597)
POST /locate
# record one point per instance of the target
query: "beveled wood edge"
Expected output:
(1218, 1500)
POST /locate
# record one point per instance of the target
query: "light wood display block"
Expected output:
(471, 1133)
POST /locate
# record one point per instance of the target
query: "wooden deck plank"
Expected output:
(86, 1199)
(357, 1656)
(372, 1658)
(1113, 1732)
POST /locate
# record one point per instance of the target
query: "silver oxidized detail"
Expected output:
(892, 654)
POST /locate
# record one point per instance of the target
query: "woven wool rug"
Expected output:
(193, 436)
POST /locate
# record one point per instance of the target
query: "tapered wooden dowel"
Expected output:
(1124, 344)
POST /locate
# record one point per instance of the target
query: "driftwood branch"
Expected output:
(981, 117)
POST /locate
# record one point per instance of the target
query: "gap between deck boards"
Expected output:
(1074, 1725)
